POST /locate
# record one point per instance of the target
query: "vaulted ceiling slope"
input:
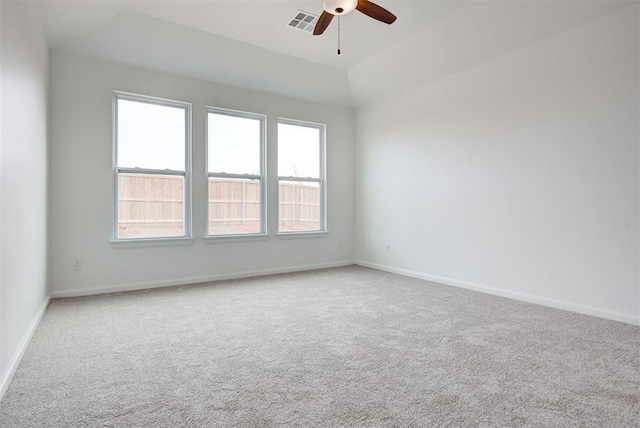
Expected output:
(469, 36)
(248, 43)
(137, 39)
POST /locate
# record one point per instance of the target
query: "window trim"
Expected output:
(262, 177)
(187, 173)
(324, 229)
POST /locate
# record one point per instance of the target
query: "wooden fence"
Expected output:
(234, 206)
(299, 206)
(152, 205)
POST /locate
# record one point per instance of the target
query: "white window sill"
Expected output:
(151, 242)
(302, 235)
(221, 239)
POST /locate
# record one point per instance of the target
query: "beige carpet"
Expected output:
(336, 347)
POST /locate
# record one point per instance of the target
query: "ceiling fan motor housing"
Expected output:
(339, 7)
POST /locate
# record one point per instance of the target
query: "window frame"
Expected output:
(262, 177)
(186, 173)
(323, 230)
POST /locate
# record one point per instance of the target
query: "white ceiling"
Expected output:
(259, 22)
(248, 43)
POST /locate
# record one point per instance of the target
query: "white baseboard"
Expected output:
(195, 279)
(22, 347)
(552, 303)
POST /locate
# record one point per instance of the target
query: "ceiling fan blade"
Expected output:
(323, 23)
(376, 12)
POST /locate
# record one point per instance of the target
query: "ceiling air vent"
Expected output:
(303, 21)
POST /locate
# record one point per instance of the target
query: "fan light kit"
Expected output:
(342, 7)
(339, 7)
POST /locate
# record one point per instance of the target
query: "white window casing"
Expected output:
(141, 172)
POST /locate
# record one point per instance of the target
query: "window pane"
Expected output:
(298, 151)
(150, 206)
(299, 206)
(234, 206)
(234, 144)
(151, 136)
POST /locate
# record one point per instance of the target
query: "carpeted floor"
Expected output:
(337, 347)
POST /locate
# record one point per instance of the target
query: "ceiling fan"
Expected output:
(342, 7)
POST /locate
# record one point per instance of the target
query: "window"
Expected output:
(235, 168)
(301, 187)
(151, 167)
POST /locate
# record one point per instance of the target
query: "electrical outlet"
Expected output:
(387, 248)
(77, 264)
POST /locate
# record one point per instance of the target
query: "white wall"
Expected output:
(518, 176)
(23, 182)
(2, 366)
(81, 184)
